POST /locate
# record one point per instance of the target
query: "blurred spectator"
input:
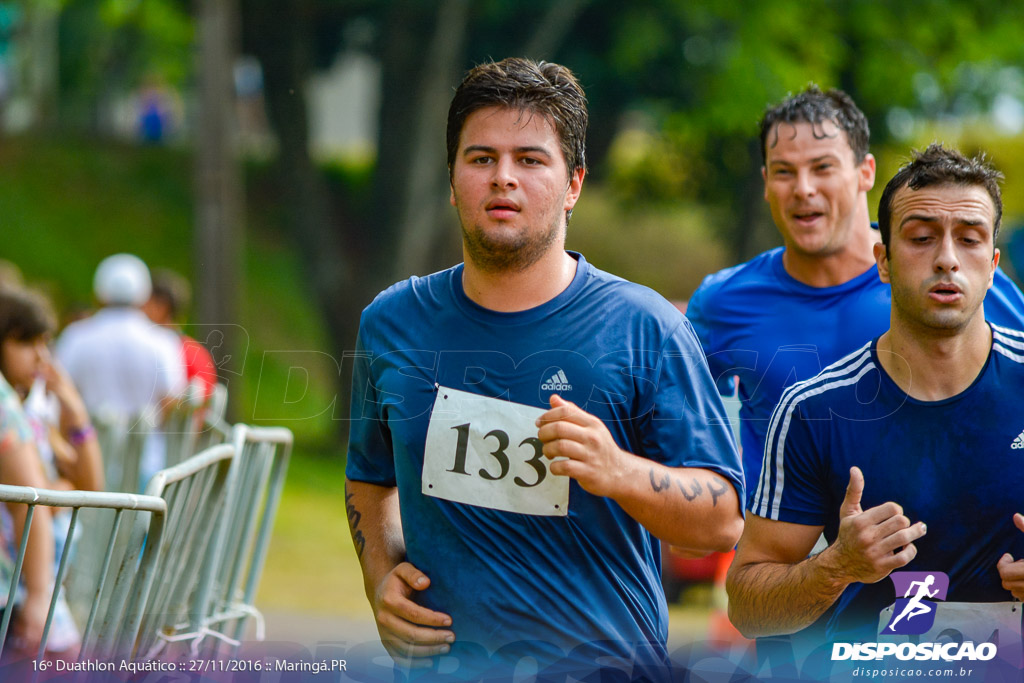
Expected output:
(121, 362)
(158, 111)
(64, 438)
(19, 466)
(124, 365)
(167, 306)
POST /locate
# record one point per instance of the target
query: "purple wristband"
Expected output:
(79, 436)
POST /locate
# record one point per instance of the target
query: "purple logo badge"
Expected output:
(916, 593)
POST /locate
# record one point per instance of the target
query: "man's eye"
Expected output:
(823, 167)
(530, 161)
(480, 160)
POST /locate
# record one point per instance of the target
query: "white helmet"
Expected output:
(122, 280)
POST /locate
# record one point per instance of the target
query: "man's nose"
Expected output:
(504, 174)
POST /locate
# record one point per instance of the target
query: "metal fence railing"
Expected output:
(179, 565)
(194, 490)
(123, 581)
(257, 481)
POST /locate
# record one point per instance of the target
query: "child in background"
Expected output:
(63, 435)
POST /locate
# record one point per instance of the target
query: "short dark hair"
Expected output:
(173, 289)
(815, 107)
(24, 314)
(523, 84)
(939, 165)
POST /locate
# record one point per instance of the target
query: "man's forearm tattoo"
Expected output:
(660, 486)
(354, 517)
(695, 490)
(692, 491)
(717, 491)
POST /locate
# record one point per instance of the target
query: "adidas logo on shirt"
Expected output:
(559, 382)
(1018, 442)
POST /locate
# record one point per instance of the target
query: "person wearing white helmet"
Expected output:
(123, 365)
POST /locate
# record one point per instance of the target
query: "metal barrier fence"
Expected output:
(122, 441)
(194, 491)
(126, 576)
(258, 475)
(195, 424)
(178, 564)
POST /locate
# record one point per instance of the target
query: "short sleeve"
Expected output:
(14, 426)
(687, 425)
(370, 455)
(792, 486)
(1004, 303)
(697, 312)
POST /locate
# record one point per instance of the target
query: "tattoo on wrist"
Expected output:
(354, 517)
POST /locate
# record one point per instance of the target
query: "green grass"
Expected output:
(312, 566)
(66, 203)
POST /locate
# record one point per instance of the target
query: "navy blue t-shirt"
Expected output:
(757, 322)
(957, 465)
(552, 581)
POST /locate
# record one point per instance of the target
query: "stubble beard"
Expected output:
(511, 253)
(942, 322)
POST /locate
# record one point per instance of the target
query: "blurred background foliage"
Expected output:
(339, 110)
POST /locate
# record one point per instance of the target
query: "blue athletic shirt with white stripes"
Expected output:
(757, 322)
(956, 464)
(580, 586)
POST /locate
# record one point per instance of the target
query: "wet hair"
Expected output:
(24, 314)
(815, 107)
(544, 88)
(939, 165)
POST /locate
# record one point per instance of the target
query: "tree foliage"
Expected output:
(110, 47)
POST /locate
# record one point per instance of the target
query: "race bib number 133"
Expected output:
(485, 452)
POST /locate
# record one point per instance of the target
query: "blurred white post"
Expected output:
(219, 196)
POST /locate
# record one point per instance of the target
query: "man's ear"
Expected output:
(866, 172)
(883, 262)
(572, 195)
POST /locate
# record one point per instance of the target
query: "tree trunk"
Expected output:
(423, 218)
(219, 228)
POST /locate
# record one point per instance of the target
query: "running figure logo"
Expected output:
(914, 613)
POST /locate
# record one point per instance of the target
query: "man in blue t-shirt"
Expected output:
(784, 315)
(906, 452)
(526, 426)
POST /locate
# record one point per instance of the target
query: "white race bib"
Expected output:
(978, 622)
(485, 452)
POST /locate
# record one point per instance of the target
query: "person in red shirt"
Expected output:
(167, 304)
